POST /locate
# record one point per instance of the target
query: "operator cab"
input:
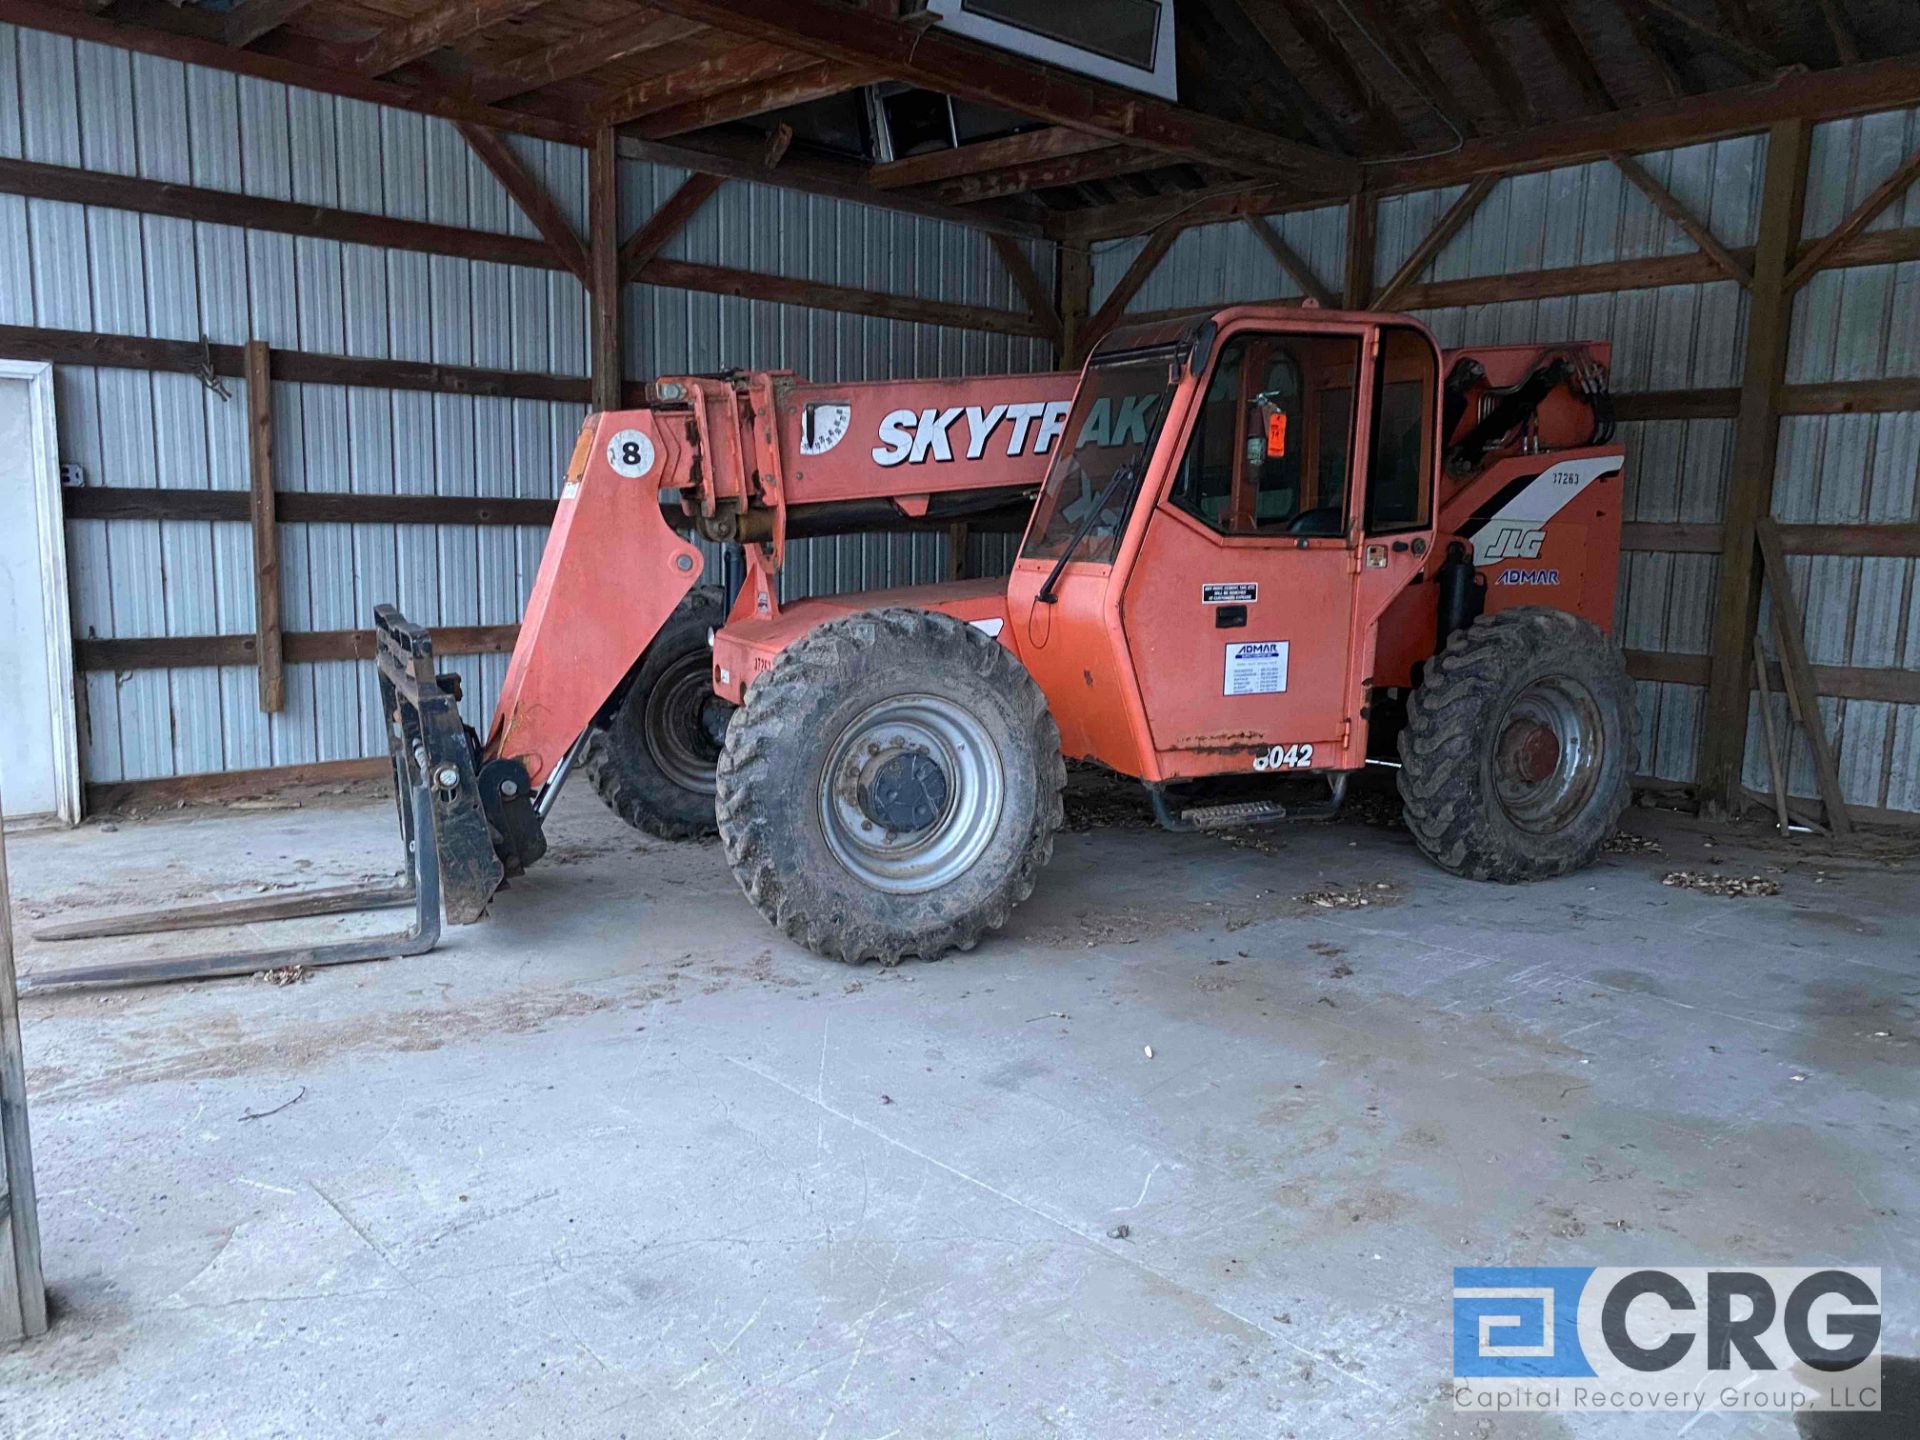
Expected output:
(1236, 500)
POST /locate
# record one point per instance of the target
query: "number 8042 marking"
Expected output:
(1285, 757)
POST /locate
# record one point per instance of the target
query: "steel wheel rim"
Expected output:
(1547, 754)
(674, 725)
(954, 741)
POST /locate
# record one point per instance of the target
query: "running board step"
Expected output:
(1231, 817)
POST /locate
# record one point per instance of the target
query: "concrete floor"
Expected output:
(620, 1161)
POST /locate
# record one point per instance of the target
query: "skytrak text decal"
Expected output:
(913, 437)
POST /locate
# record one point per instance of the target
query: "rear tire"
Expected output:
(891, 787)
(1518, 750)
(652, 756)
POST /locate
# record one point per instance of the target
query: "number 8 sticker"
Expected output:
(630, 453)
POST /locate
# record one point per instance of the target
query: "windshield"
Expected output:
(1116, 418)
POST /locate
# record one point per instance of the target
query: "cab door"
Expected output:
(1250, 609)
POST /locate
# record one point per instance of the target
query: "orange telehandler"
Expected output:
(1264, 544)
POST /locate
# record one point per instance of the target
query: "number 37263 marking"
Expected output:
(1285, 757)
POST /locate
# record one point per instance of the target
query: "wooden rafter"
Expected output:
(1027, 281)
(1861, 216)
(530, 195)
(1290, 261)
(1690, 225)
(579, 54)
(1750, 58)
(1503, 81)
(436, 27)
(742, 65)
(994, 77)
(1389, 35)
(1846, 45)
(1651, 46)
(1563, 37)
(645, 243)
(1103, 164)
(605, 281)
(1053, 143)
(251, 19)
(1310, 24)
(1437, 239)
(741, 102)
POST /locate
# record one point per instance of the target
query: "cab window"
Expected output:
(1272, 444)
(1400, 467)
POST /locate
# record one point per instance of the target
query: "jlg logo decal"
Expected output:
(1509, 540)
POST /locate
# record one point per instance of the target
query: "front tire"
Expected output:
(652, 756)
(891, 787)
(1518, 752)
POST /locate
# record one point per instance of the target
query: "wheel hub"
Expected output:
(684, 724)
(1530, 750)
(903, 791)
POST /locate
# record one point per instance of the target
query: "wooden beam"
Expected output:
(1755, 447)
(1813, 96)
(250, 212)
(1563, 37)
(1490, 59)
(23, 1291)
(1389, 35)
(1310, 24)
(1651, 46)
(995, 77)
(1862, 215)
(114, 796)
(301, 507)
(1846, 46)
(137, 352)
(1835, 682)
(1644, 274)
(529, 194)
(580, 54)
(302, 647)
(818, 295)
(1753, 60)
(1428, 250)
(1887, 541)
(603, 293)
(741, 154)
(1693, 228)
(1053, 143)
(1073, 283)
(266, 535)
(1027, 281)
(1362, 252)
(742, 65)
(818, 81)
(1114, 307)
(1103, 164)
(669, 220)
(251, 19)
(432, 29)
(1790, 639)
(1290, 262)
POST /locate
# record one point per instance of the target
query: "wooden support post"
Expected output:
(266, 529)
(1361, 210)
(603, 224)
(1755, 448)
(1789, 637)
(957, 550)
(1074, 287)
(23, 1292)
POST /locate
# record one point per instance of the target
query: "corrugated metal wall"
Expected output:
(1857, 323)
(87, 268)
